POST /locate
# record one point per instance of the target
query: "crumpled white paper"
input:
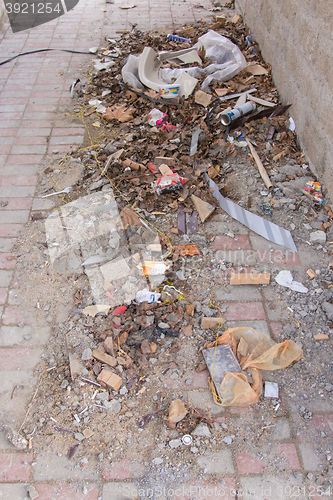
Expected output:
(285, 278)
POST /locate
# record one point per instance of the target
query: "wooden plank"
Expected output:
(261, 168)
(250, 279)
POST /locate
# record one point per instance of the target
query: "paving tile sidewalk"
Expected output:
(33, 88)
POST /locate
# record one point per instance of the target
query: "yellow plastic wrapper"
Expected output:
(262, 353)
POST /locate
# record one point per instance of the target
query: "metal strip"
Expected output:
(259, 225)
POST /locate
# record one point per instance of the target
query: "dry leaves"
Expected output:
(120, 113)
(152, 93)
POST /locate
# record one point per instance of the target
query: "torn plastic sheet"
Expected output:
(111, 244)
(285, 278)
(272, 232)
(194, 141)
(130, 72)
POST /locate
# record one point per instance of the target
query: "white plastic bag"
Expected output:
(226, 57)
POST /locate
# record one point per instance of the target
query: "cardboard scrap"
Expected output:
(210, 322)
(250, 279)
(165, 160)
(256, 70)
(236, 19)
(165, 170)
(311, 273)
(185, 31)
(98, 308)
(87, 433)
(203, 208)
(221, 92)
(202, 98)
(221, 19)
(110, 379)
(104, 358)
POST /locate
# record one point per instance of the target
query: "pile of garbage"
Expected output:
(171, 123)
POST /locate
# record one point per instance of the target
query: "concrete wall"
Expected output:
(296, 38)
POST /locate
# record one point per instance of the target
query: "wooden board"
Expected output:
(250, 279)
(203, 208)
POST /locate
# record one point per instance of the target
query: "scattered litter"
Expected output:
(65, 190)
(156, 117)
(271, 390)
(109, 379)
(262, 102)
(285, 278)
(72, 87)
(150, 333)
(314, 190)
(169, 183)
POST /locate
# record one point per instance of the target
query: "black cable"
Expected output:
(42, 50)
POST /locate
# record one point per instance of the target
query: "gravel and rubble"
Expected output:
(132, 422)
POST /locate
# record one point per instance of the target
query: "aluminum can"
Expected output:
(236, 113)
